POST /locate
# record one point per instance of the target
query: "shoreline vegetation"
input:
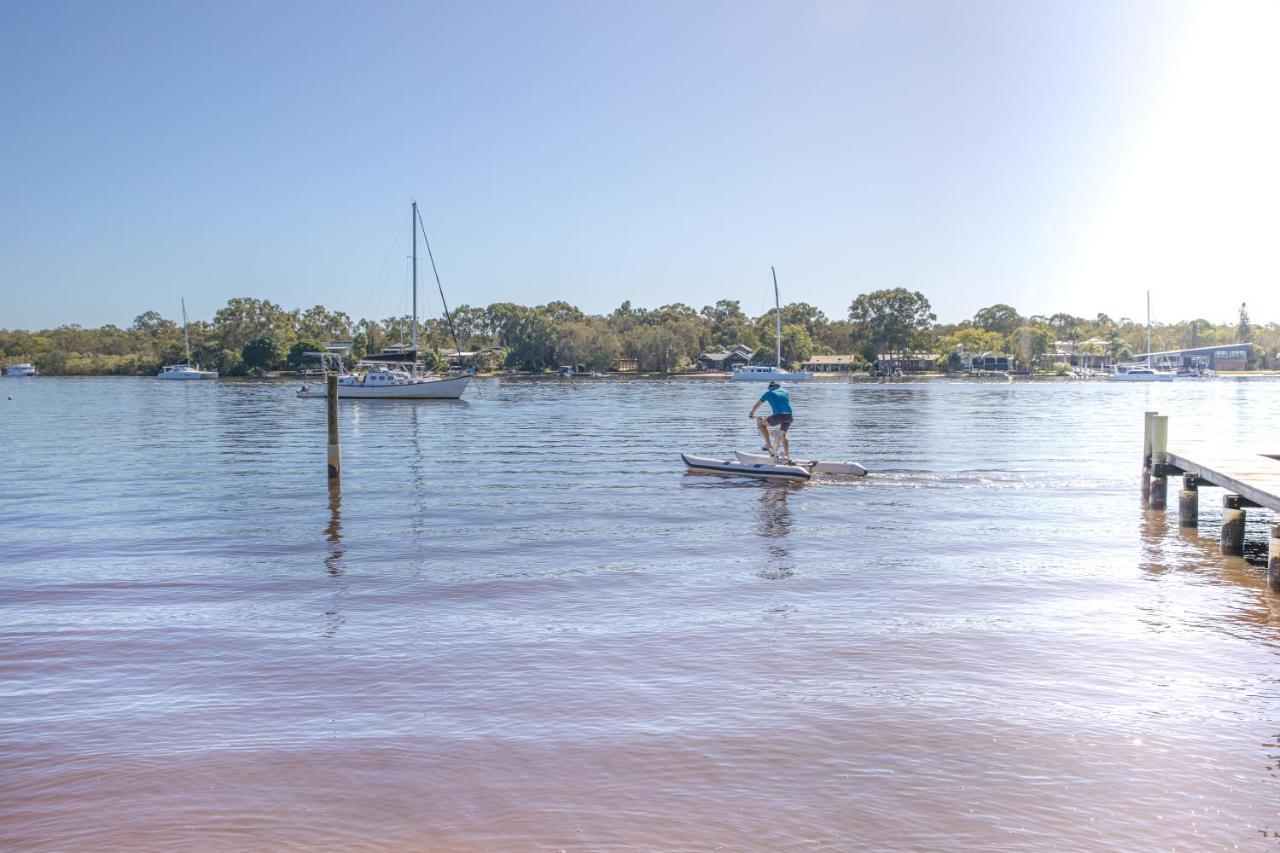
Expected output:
(250, 337)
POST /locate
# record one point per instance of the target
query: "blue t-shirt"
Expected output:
(778, 401)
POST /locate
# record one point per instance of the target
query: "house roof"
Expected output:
(833, 359)
(721, 356)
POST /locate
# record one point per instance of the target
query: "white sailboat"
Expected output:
(391, 379)
(185, 370)
(1141, 372)
(770, 373)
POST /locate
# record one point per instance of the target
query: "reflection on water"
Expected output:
(773, 524)
(517, 623)
(334, 619)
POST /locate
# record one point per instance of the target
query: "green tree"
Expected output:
(1244, 331)
(892, 321)
(262, 354)
(1029, 343)
(317, 323)
(797, 346)
(244, 319)
(999, 318)
(297, 352)
(155, 327)
(973, 340)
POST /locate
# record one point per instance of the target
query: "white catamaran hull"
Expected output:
(766, 470)
(187, 374)
(816, 466)
(1140, 377)
(771, 374)
(446, 388)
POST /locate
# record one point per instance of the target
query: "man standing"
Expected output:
(780, 404)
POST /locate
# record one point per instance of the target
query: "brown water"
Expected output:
(520, 625)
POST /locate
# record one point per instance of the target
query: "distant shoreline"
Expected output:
(847, 378)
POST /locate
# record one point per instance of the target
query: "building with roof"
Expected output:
(1218, 357)
(725, 360)
(833, 364)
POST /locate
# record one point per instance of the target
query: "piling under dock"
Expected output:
(1252, 475)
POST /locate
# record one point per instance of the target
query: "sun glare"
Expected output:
(1193, 202)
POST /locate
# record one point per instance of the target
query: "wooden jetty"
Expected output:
(1250, 478)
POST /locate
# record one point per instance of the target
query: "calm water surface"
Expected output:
(520, 625)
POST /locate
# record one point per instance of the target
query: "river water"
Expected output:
(519, 624)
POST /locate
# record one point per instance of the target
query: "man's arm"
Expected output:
(752, 413)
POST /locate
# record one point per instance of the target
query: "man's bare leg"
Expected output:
(786, 445)
(763, 426)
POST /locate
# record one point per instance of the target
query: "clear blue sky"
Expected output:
(1058, 156)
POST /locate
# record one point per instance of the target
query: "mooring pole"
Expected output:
(1189, 501)
(1273, 560)
(331, 403)
(1159, 457)
(1146, 455)
(1231, 542)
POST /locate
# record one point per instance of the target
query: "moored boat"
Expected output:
(774, 372)
(1140, 372)
(391, 383)
(396, 377)
(22, 368)
(184, 369)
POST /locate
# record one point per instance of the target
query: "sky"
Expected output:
(1055, 156)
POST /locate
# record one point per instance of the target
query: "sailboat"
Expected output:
(185, 370)
(1141, 372)
(389, 378)
(770, 373)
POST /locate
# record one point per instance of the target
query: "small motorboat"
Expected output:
(771, 469)
(815, 466)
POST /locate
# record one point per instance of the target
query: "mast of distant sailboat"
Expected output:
(1148, 328)
(186, 340)
(413, 226)
(777, 307)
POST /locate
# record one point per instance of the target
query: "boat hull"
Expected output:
(766, 471)
(181, 377)
(817, 466)
(1140, 377)
(450, 388)
(769, 376)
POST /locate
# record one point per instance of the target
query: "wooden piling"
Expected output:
(1189, 502)
(1159, 456)
(1273, 560)
(1231, 542)
(1146, 455)
(335, 448)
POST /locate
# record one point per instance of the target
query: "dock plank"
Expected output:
(1255, 476)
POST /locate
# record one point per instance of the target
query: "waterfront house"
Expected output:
(993, 361)
(725, 360)
(910, 362)
(832, 364)
(1088, 355)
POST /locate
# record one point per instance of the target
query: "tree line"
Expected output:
(255, 335)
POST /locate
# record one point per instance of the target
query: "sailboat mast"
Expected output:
(777, 310)
(1148, 328)
(186, 340)
(413, 226)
